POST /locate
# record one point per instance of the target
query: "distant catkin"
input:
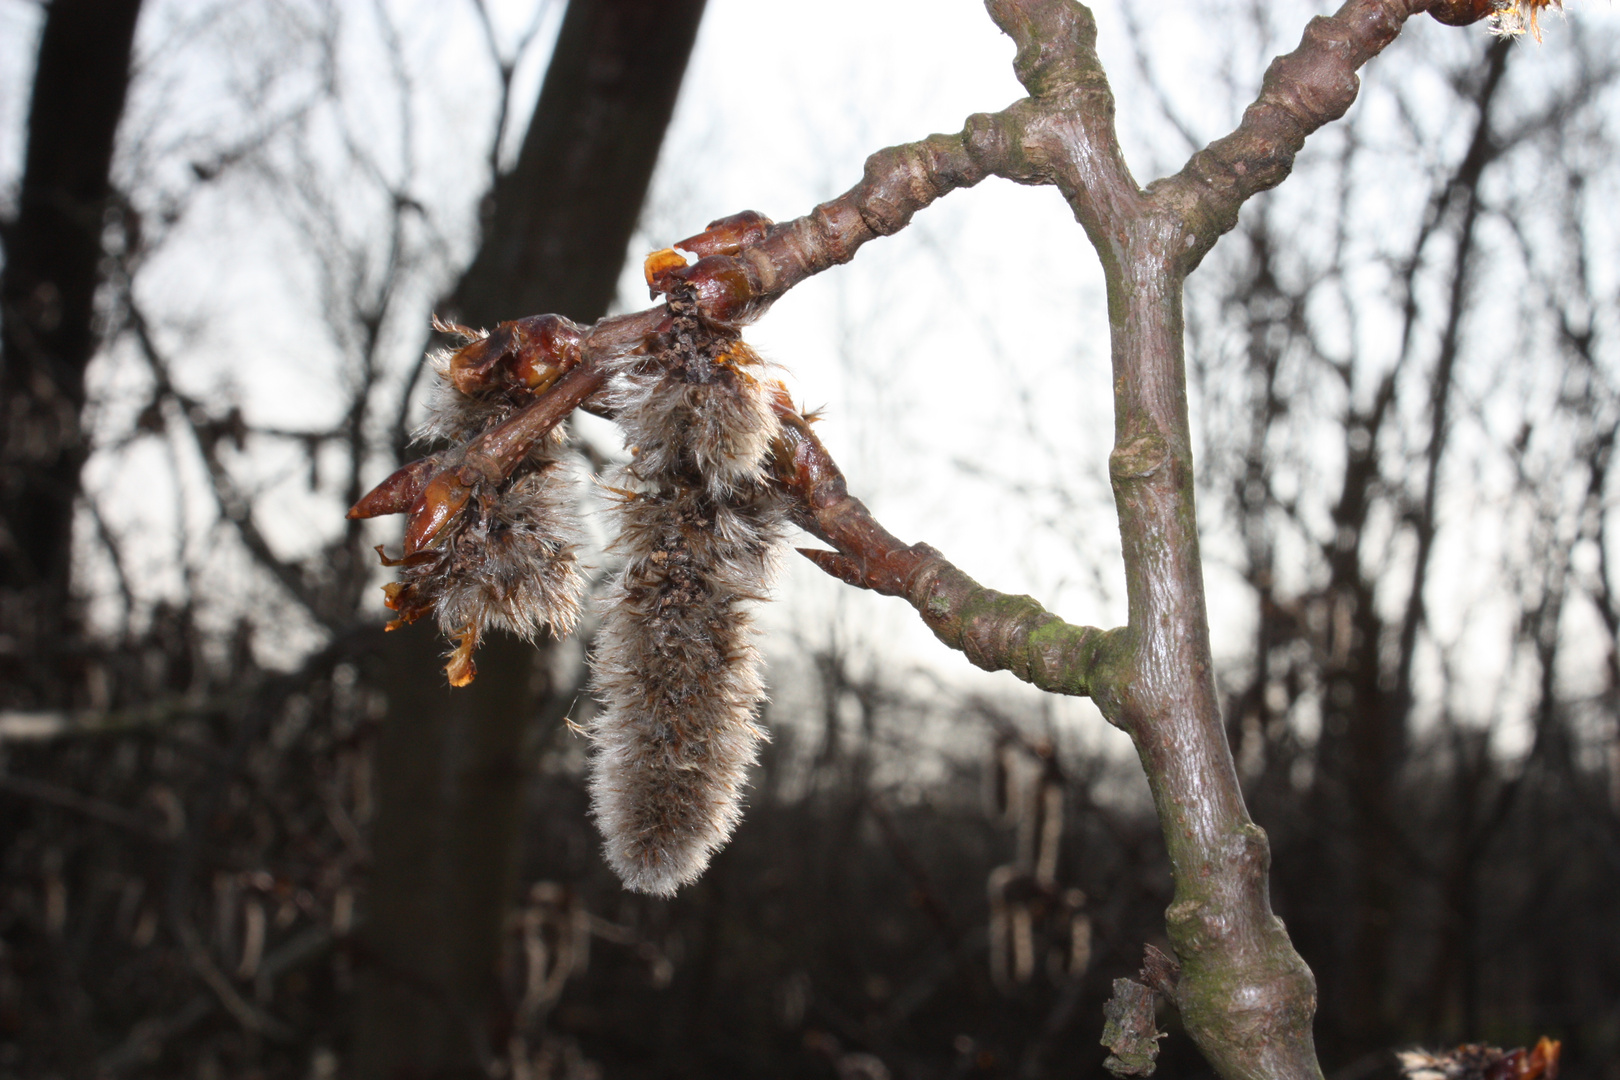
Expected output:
(675, 668)
(508, 559)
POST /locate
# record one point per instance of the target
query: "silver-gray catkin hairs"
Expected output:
(509, 560)
(675, 666)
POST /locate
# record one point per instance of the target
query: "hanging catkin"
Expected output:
(508, 559)
(675, 668)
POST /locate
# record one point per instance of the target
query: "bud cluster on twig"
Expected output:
(699, 519)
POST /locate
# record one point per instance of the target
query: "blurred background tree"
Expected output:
(246, 834)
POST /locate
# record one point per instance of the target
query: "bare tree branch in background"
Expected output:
(1343, 634)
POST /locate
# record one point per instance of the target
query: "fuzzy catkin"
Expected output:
(675, 668)
(508, 560)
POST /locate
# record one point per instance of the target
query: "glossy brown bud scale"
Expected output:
(398, 493)
(723, 288)
(729, 235)
(1461, 12)
(663, 269)
(525, 355)
(722, 284)
(441, 500)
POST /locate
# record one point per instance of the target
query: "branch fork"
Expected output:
(1245, 995)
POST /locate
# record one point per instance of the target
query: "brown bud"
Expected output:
(837, 565)
(1461, 12)
(398, 493)
(722, 284)
(476, 365)
(526, 354)
(548, 346)
(725, 290)
(729, 235)
(441, 500)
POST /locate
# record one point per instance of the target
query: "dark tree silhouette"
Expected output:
(53, 265)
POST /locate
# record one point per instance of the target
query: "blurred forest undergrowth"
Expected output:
(216, 862)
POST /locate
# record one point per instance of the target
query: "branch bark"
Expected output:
(1245, 995)
(994, 630)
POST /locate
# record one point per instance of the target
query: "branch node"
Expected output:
(985, 139)
(1138, 458)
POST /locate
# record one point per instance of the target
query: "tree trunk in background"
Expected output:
(451, 765)
(557, 226)
(47, 333)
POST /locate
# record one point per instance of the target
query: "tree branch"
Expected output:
(993, 630)
(1245, 995)
(232, 506)
(1309, 87)
(1063, 134)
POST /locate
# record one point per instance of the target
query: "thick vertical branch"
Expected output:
(1246, 996)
